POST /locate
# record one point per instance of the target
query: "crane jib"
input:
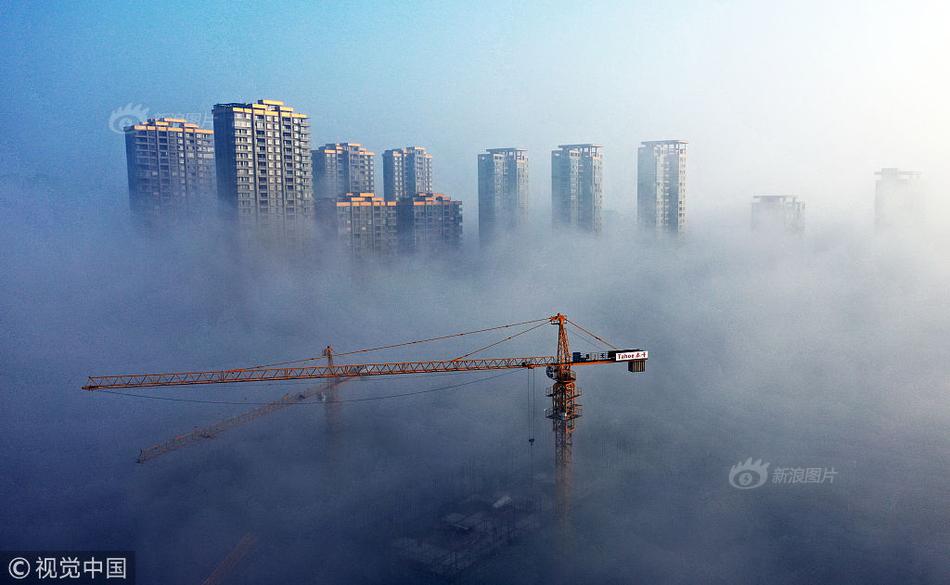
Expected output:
(354, 370)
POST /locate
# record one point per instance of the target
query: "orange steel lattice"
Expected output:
(564, 393)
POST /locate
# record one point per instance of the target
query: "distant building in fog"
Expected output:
(171, 170)
(343, 168)
(661, 185)
(778, 213)
(429, 222)
(502, 192)
(263, 168)
(577, 186)
(363, 223)
(406, 172)
(897, 198)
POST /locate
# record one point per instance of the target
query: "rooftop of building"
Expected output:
(432, 198)
(896, 172)
(168, 124)
(342, 146)
(506, 149)
(362, 199)
(651, 142)
(270, 107)
(774, 198)
(406, 149)
(579, 145)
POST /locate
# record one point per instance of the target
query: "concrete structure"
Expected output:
(363, 223)
(341, 168)
(171, 170)
(429, 222)
(897, 198)
(577, 186)
(263, 166)
(661, 185)
(778, 214)
(502, 192)
(406, 172)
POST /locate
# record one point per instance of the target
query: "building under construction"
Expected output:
(470, 531)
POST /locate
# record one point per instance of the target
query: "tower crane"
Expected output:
(560, 367)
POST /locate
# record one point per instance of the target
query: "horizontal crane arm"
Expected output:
(312, 372)
(336, 371)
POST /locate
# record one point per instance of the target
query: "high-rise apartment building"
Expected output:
(406, 172)
(429, 222)
(896, 198)
(661, 185)
(502, 191)
(777, 214)
(263, 165)
(341, 168)
(577, 186)
(363, 223)
(171, 170)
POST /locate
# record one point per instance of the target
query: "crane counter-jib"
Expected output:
(636, 358)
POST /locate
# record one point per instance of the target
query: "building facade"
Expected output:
(896, 198)
(263, 166)
(406, 172)
(341, 168)
(502, 192)
(778, 214)
(171, 170)
(362, 223)
(661, 185)
(577, 186)
(429, 222)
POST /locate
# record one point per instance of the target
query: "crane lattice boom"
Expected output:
(342, 371)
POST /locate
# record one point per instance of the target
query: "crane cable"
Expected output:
(403, 344)
(598, 338)
(509, 338)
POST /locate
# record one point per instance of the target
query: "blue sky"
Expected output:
(794, 97)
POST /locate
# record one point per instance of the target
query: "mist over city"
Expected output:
(659, 291)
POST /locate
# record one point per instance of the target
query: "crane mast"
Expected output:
(564, 410)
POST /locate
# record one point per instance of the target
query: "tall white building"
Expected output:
(263, 165)
(171, 170)
(502, 192)
(577, 186)
(661, 185)
(406, 173)
(342, 168)
(897, 198)
(778, 214)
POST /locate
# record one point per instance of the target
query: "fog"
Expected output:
(828, 350)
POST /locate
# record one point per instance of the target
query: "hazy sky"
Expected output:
(795, 97)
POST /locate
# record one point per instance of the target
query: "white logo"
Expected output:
(126, 116)
(19, 568)
(630, 355)
(748, 475)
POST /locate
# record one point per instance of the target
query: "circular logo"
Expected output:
(748, 474)
(19, 568)
(126, 116)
